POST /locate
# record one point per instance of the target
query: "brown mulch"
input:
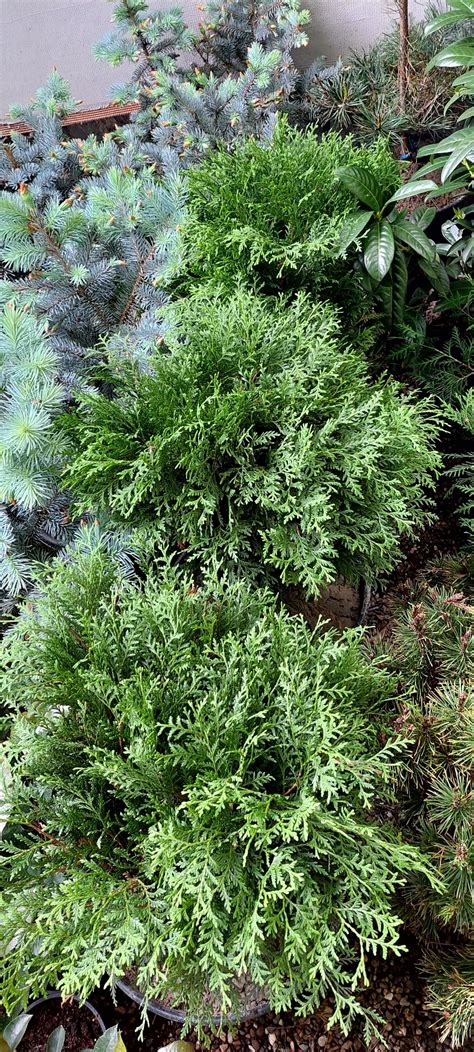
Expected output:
(396, 993)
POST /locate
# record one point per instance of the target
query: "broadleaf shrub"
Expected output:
(191, 776)
(259, 439)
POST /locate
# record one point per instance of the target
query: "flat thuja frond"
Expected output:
(192, 772)
(258, 437)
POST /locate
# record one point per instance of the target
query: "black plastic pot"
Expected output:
(174, 1014)
(53, 995)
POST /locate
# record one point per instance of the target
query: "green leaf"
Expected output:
(352, 228)
(15, 1030)
(418, 186)
(111, 1041)
(379, 250)
(423, 216)
(454, 184)
(362, 184)
(177, 1046)
(463, 152)
(411, 235)
(438, 276)
(461, 9)
(399, 286)
(56, 1040)
(385, 295)
(460, 53)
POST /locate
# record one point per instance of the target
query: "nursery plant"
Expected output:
(240, 72)
(193, 778)
(45, 158)
(33, 515)
(87, 257)
(361, 94)
(455, 154)
(391, 240)
(432, 654)
(258, 438)
(15, 1030)
(272, 215)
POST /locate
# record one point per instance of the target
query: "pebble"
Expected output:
(322, 1041)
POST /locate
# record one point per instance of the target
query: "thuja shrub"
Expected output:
(259, 439)
(272, 214)
(191, 776)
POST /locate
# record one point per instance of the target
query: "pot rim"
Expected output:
(177, 1016)
(53, 995)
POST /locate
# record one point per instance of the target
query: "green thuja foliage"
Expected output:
(191, 776)
(259, 438)
(273, 215)
(240, 72)
(432, 652)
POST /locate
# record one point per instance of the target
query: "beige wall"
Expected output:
(36, 35)
(341, 25)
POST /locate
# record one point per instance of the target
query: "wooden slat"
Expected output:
(100, 113)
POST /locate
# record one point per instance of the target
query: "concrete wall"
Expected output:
(36, 35)
(339, 26)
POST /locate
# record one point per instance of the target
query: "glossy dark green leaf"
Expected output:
(460, 9)
(438, 276)
(362, 184)
(399, 286)
(352, 228)
(423, 216)
(15, 1030)
(107, 1042)
(411, 235)
(412, 189)
(460, 53)
(379, 250)
(385, 296)
(56, 1040)
(462, 153)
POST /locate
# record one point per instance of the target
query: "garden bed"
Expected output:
(397, 993)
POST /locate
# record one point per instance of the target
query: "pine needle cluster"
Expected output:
(44, 159)
(432, 653)
(240, 72)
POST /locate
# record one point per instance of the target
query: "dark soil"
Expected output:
(441, 539)
(396, 993)
(82, 1029)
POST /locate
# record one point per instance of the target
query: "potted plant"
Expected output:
(193, 773)
(31, 1029)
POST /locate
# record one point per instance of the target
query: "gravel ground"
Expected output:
(396, 993)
